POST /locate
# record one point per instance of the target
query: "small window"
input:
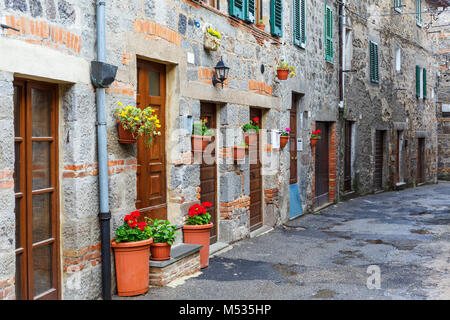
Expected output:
(374, 73)
(299, 31)
(419, 12)
(398, 5)
(421, 83)
(214, 3)
(398, 59)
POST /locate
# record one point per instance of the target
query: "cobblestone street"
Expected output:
(406, 234)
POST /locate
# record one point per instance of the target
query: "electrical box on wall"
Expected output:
(299, 144)
(275, 139)
(188, 123)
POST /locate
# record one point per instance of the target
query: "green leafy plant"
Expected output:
(242, 144)
(139, 122)
(214, 33)
(131, 230)
(261, 21)
(200, 129)
(197, 214)
(285, 65)
(252, 126)
(162, 231)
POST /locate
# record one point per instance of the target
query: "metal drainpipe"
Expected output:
(104, 213)
(342, 53)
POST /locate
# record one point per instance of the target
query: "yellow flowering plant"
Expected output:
(214, 33)
(139, 122)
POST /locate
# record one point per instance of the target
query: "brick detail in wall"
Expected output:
(152, 29)
(260, 87)
(121, 88)
(75, 261)
(271, 196)
(7, 289)
(42, 33)
(186, 266)
(227, 208)
(313, 153)
(205, 76)
(126, 57)
(6, 179)
(85, 170)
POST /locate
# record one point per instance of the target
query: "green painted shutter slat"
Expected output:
(424, 83)
(236, 8)
(377, 78)
(328, 34)
(417, 82)
(250, 12)
(276, 17)
(303, 22)
(373, 57)
(297, 32)
(419, 12)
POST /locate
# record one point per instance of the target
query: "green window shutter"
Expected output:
(419, 12)
(250, 10)
(237, 8)
(424, 83)
(417, 82)
(373, 55)
(276, 17)
(303, 22)
(398, 5)
(328, 34)
(297, 29)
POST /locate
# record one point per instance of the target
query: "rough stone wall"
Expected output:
(163, 31)
(391, 104)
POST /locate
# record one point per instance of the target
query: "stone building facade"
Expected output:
(393, 137)
(45, 55)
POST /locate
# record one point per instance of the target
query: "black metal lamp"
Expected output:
(221, 72)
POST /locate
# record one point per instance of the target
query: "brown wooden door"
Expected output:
(378, 172)
(36, 190)
(255, 178)
(293, 145)
(348, 156)
(208, 169)
(397, 157)
(151, 168)
(322, 166)
(420, 159)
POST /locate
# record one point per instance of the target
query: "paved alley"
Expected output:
(405, 235)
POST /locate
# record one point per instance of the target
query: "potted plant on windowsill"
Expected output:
(284, 137)
(261, 25)
(251, 130)
(197, 229)
(163, 234)
(212, 39)
(239, 151)
(201, 135)
(315, 136)
(133, 122)
(284, 70)
(132, 252)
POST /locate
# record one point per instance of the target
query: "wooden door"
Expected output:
(293, 145)
(208, 169)
(397, 157)
(322, 166)
(348, 156)
(256, 219)
(36, 190)
(378, 172)
(151, 161)
(420, 159)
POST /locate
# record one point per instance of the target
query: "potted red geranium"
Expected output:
(251, 130)
(315, 135)
(284, 137)
(201, 135)
(197, 229)
(132, 252)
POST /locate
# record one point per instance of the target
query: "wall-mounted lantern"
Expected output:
(221, 72)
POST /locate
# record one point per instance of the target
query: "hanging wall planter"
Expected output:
(239, 153)
(250, 138)
(125, 135)
(315, 136)
(212, 40)
(283, 141)
(199, 143)
(314, 141)
(284, 70)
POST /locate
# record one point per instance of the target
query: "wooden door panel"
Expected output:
(208, 171)
(293, 145)
(322, 165)
(378, 172)
(151, 172)
(256, 218)
(420, 160)
(347, 156)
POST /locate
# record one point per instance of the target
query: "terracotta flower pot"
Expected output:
(261, 26)
(132, 266)
(199, 143)
(210, 42)
(250, 138)
(239, 153)
(282, 74)
(314, 141)
(160, 251)
(283, 141)
(199, 234)
(125, 136)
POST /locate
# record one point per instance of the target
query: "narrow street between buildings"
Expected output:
(392, 245)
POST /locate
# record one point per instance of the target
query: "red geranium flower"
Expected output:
(127, 217)
(256, 119)
(207, 204)
(135, 214)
